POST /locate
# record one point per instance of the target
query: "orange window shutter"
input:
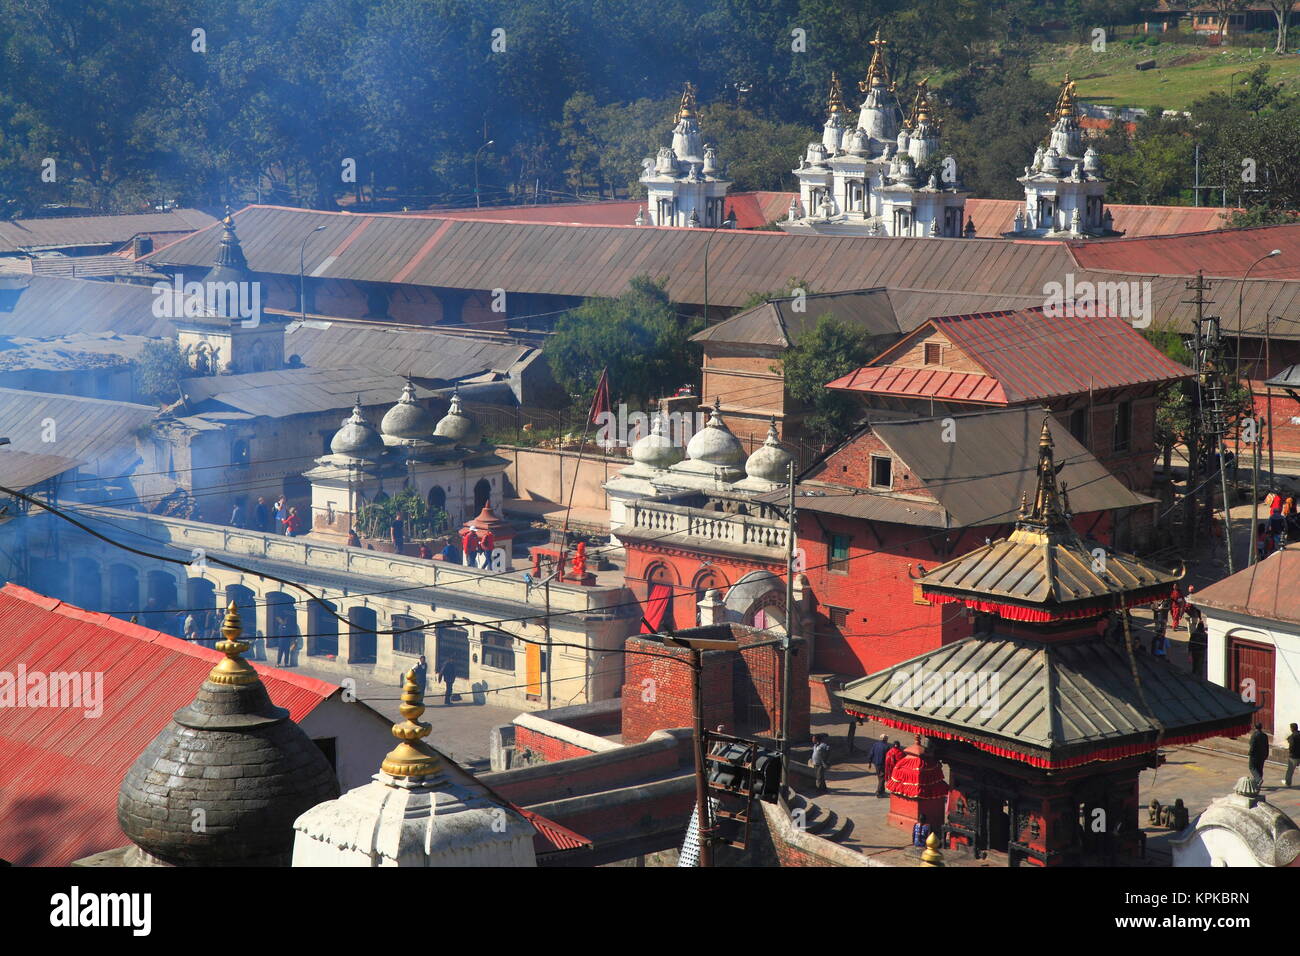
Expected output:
(533, 669)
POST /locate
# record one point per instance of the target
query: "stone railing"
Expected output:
(678, 524)
(200, 539)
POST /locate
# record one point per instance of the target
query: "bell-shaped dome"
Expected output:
(770, 460)
(656, 449)
(357, 438)
(458, 425)
(715, 444)
(237, 758)
(407, 420)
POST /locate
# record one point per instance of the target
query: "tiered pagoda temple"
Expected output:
(1044, 723)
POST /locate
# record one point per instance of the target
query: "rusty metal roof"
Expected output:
(1223, 252)
(28, 235)
(993, 217)
(297, 391)
(21, 469)
(430, 355)
(91, 430)
(62, 769)
(49, 305)
(1269, 590)
(1026, 355)
(778, 322)
(1052, 704)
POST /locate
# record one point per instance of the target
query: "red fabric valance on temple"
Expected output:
(656, 608)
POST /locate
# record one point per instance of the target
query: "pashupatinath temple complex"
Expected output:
(1044, 721)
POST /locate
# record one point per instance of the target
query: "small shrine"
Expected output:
(1044, 724)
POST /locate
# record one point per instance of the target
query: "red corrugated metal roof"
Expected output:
(752, 210)
(550, 835)
(1225, 252)
(1026, 355)
(60, 769)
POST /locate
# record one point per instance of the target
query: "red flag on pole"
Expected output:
(600, 401)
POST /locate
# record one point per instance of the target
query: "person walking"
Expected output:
(258, 649)
(282, 651)
(1292, 753)
(891, 760)
(397, 532)
(469, 546)
(419, 672)
(281, 512)
(486, 544)
(1177, 606)
(1198, 642)
(237, 516)
(1258, 753)
(821, 758)
(261, 516)
(876, 759)
(447, 673)
(292, 522)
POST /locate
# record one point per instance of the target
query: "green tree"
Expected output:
(639, 337)
(1174, 414)
(375, 518)
(827, 351)
(159, 370)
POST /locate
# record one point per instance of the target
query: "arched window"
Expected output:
(408, 641)
(498, 650)
(239, 453)
(482, 494)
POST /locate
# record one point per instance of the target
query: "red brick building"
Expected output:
(1097, 374)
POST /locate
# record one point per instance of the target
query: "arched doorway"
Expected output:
(123, 591)
(437, 500)
(482, 494)
(201, 604)
(758, 599)
(707, 579)
(362, 643)
(322, 630)
(452, 643)
(281, 627)
(661, 591)
(245, 602)
(162, 605)
(87, 584)
(411, 639)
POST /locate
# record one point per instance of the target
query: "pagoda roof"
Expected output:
(1045, 570)
(1052, 705)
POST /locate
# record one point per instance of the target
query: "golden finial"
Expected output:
(1065, 101)
(876, 69)
(932, 855)
(1024, 505)
(922, 109)
(228, 220)
(836, 103)
(233, 669)
(687, 109)
(412, 757)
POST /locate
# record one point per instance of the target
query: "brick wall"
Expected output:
(546, 747)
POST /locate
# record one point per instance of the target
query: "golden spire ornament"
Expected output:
(687, 109)
(836, 103)
(233, 669)
(412, 757)
(876, 69)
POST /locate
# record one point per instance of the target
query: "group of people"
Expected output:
(447, 672)
(1258, 751)
(1283, 525)
(279, 519)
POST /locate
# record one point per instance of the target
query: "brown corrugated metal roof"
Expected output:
(993, 217)
(1269, 590)
(1226, 252)
(21, 235)
(91, 430)
(778, 322)
(930, 382)
(47, 306)
(430, 355)
(21, 469)
(297, 391)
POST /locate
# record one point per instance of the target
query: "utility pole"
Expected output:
(787, 646)
(546, 591)
(1210, 411)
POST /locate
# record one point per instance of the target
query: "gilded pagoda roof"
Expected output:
(1050, 704)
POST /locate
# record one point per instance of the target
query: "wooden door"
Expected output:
(1251, 667)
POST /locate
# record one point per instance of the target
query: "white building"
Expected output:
(1065, 189)
(880, 176)
(1252, 621)
(684, 184)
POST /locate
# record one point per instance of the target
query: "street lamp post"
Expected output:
(302, 281)
(477, 202)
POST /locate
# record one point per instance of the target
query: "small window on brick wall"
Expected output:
(933, 353)
(839, 616)
(839, 557)
(882, 472)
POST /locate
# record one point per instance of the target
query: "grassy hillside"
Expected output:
(1182, 74)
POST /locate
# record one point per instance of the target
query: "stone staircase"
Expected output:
(814, 819)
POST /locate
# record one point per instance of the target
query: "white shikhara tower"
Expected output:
(684, 184)
(1065, 191)
(862, 180)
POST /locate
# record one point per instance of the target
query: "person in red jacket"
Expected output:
(469, 546)
(292, 522)
(1177, 607)
(487, 543)
(895, 754)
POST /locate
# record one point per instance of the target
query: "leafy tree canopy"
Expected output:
(827, 351)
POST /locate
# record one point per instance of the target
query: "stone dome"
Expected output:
(656, 450)
(407, 420)
(236, 757)
(770, 460)
(357, 438)
(458, 426)
(715, 444)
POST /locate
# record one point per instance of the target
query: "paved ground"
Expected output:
(1196, 774)
(460, 731)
